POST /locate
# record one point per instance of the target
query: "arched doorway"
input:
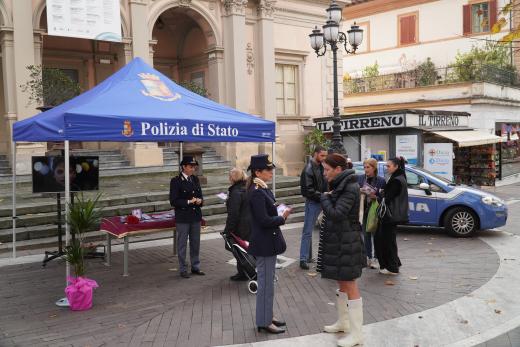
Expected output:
(182, 40)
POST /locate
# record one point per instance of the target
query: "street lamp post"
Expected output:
(335, 38)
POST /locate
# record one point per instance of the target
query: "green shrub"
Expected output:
(313, 139)
(426, 73)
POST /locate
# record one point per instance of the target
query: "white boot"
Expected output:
(341, 324)
(355, 315)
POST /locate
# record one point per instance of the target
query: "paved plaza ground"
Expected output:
(443, 281)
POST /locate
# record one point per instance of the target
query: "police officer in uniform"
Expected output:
(186, 199)
(266, 240)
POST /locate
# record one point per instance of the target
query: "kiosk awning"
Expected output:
(469, 138)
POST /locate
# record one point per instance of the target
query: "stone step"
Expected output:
(98, 236)
(47, 202)
(46, 214)
(215, 214)
(204, 157)
(6, 171)
(150, 171)
(113, 164)
(92, 152)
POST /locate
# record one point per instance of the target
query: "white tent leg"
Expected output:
(13, 152)
(181, 153)
(67, 202)
(274, 170)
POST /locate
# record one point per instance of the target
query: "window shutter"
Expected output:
(407, 33)
(412, 35)
(466, 19)
(492, 13)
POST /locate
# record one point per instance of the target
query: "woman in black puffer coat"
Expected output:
(238, 215)
(342, 255)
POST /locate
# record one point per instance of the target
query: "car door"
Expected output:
(423, 204)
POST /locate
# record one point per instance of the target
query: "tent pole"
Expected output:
(274, 170)
(67, 202)
(181, 152)
(13, 153)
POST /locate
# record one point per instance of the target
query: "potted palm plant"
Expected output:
(83, 216)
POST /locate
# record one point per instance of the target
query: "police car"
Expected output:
(437, 202)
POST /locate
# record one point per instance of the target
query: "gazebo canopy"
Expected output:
(138, 103)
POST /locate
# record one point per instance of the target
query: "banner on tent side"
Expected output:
(112, 129)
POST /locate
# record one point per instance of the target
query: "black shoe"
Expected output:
(304, 266)
(238, 277)
(184, 274)
(198, 272)
(271, 330)
(279, 323)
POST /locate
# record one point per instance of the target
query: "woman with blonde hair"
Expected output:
(238, 215)
(371, 186)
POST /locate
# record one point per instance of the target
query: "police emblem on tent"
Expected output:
(127, 129)
(156, 88)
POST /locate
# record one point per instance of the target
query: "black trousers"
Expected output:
(385, 244)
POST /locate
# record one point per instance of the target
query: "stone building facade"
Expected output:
(253, 55)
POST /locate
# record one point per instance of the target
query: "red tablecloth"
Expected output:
(159, 221)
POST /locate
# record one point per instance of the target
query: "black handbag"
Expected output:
(279, 244)
(384, 212)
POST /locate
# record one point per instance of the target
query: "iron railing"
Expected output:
(431, 77)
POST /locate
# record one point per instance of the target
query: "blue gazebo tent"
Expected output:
(137, 104)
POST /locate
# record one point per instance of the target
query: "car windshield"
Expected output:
(440, 178)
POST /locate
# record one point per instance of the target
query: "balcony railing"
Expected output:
(431, 77)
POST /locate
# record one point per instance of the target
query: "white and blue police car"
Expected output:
(437, 202)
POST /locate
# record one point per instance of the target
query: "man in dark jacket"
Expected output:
(312, 184)
(186, 199)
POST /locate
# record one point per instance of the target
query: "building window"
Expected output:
(408, 29)
(286, 89)
(479, 17)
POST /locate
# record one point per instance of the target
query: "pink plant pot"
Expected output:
(79, 293)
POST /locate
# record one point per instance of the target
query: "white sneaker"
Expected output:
(386, 272)
(374, 264)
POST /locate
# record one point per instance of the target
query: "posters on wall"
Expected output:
(406, 146)
(438, 159)
(86, 19)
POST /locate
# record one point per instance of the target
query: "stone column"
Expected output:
(23, 37)
(234, 23)
(216, 87)
(20, 53)
(140, 35)
(266, 63)
(38, 46)
(141, 153)
(266, 59)
(235, 53)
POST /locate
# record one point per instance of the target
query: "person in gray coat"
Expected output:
(342, 257)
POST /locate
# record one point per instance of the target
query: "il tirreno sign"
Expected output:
(402, 120)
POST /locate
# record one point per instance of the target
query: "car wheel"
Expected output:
(461, 222)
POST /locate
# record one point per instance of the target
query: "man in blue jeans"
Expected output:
(312, 184)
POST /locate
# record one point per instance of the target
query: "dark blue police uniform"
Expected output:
(265, 225)
(187, 217)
